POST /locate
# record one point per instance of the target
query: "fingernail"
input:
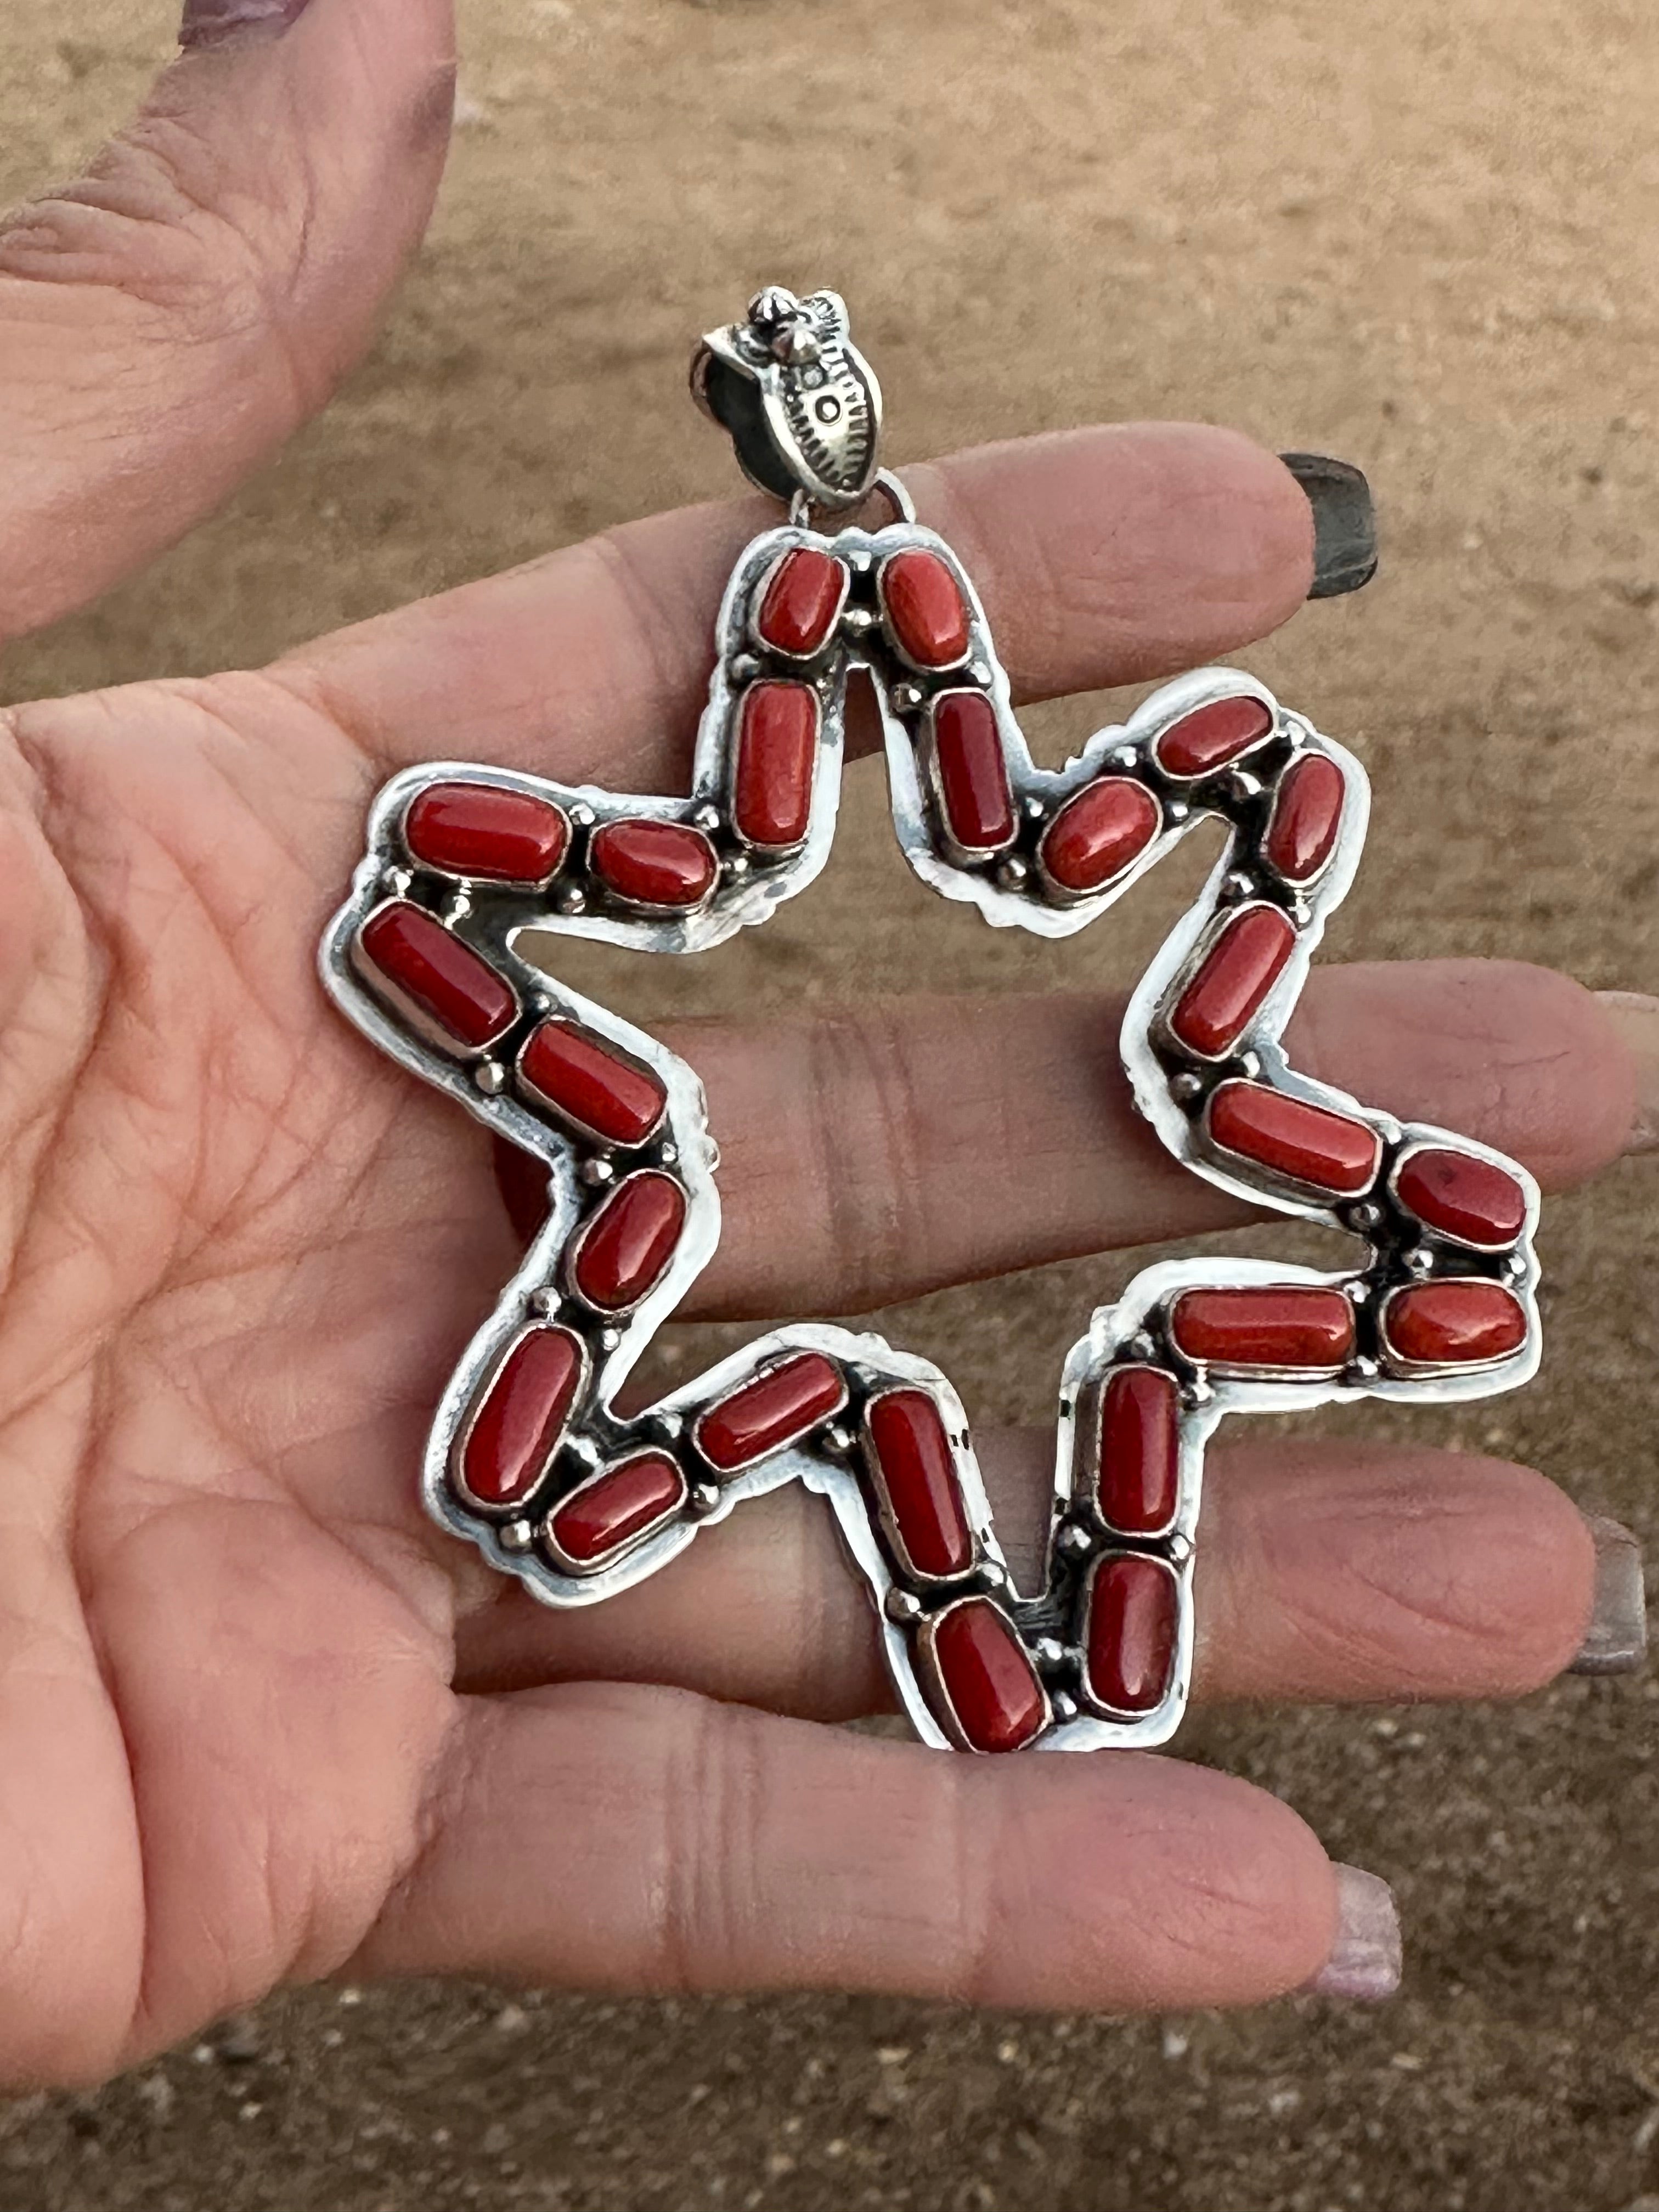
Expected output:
(207, 21)
(1616, 1641)
(1636, 1017)
(1365, 1962)
(1345, 523)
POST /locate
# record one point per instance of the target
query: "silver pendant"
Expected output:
(527, 1459)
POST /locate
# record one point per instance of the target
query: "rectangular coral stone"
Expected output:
(777, 1408)
(1289, 1326)
(454, 987)
(1243, 962)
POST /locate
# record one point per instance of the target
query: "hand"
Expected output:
(258, 1721)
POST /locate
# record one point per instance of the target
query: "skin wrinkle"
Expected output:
(1407, 1604)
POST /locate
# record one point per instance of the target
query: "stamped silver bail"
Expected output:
(799, 401)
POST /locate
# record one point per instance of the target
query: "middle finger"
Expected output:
(930, 1141)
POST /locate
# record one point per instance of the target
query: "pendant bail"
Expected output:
(799, 401)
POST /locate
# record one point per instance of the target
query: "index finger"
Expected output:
(1105, 555)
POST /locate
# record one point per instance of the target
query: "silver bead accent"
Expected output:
(742, 668)
(572, 899)
(862, 561)
(978, 671)
(905, 698)
(586, 1455)
(491, 1077)
(668, 1154)
(1074, 1542)
(1176, 811)
(458, 907)
(1236, 885)
(704, 1496)
(1366, 1216)
(398, 881)
(837, 1439)
(705, 818)
(545, 1302)
(1251, 1064)
(735, 868)
(1419, 1261)
(1127, 756)
(901, 1607)
(609, 1339)
(1036, 809)
(1063, 1706)
(772, 304)
(1243, 785)
(1366, 1368)
(1181, 1549)
(1183, 1089)
(1359, 1291)
(1141, 1344)
(1012, 874)
(1199, 1392)
(667, 1427)
(796, 344)
(1049, 1651)
(859, 622)
(595, 1172)
(582, 814)
(515, 1536)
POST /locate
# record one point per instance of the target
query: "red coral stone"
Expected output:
(1277, 1326)
(777, 751)
(1131, 1640)
(452, 985)
(979, 806)
(624, 1250)
(661, 864)
(1139, 1451)
(1454, 1324)
(1211, 736)
(1098, 833)
(590, 1085)
(995, 1695)
(926, 609)
(1240, 968)
(1309, 1144)
(1461, 1196)
(775, 1410)
(618, 1507)
(917, 1476)
(516, 1430)
(1307, 815)
(801, 602)
(477, 829)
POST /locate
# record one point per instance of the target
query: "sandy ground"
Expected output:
(1416, 236)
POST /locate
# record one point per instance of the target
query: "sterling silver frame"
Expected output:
(1168, 1081)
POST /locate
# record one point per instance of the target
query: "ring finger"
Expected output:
(1325, 1573)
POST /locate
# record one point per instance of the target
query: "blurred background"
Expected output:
(1417, 237)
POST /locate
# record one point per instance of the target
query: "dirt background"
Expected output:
(1415, 236)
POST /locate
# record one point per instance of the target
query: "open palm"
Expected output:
(257, 1720)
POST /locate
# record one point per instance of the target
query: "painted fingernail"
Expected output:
(1616, 1641)
(207, 21)
(1345, 523)
(1636, 1017)
(1365, 1962)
